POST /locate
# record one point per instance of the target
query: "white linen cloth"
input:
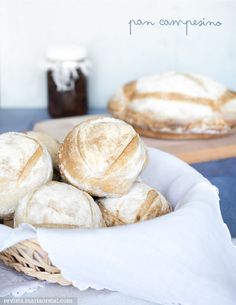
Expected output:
(185, 257)
(19, 286)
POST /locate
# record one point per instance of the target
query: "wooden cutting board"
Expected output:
(191, 151)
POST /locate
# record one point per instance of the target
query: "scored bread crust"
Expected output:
(102, 156)
(58, 205)
(126, 105)
(51, 144)
(140, 203)
(24, 165)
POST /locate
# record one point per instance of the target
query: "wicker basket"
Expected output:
(28, 257)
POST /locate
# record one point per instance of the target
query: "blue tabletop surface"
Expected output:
(221, 173)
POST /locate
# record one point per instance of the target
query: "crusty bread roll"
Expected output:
(141, 203)
(102, 156)
(176, 105)
(51, 144)
(59, 205)
(24, 165)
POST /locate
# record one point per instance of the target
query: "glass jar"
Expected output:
(67, 71)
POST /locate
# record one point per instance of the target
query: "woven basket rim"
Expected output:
(30, 258)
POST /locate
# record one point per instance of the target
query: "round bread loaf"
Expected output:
(24, 166)
(51, 144)
(102, 156)
(141, 203)
(59, 205)
(176, 105)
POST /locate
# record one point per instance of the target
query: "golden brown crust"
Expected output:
(131, 94)
(176, 97)
(141, 203)
(70, 159)
(114, 105)
(150, 210)
(144, 211)
(30, 164)
(55, 226)
(67, 158)
(126, 151)
(178, 136)
(129, 90)
(149, 125)
(114, 108)
(145, 120)
(175, 136)
(25, 165)
(110, 218)
(51, 144)
(227, 96)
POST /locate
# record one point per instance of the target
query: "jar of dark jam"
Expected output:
(67, 81)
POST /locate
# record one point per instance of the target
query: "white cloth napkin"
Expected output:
(185, 257)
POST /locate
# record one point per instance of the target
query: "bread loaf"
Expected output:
(58, 205)
(176, 105)
(102, 156)
(140, 203)
(24, 166)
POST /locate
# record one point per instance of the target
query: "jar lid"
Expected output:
(66, 53)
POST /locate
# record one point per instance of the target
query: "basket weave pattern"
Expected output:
(28, 257)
